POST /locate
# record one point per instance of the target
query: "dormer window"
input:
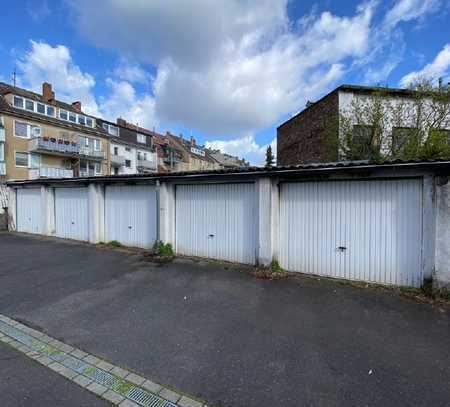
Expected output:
(18, 102)
(82, 120)
(50, 111)
(41, 108)
(111, 130)
(89, 122)
(63, 114)
(29, 105)
(72, 117)
(141, 138)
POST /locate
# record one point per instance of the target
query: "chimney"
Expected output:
(77, 106)
(47, 94)
(121, 122)
(192, 141)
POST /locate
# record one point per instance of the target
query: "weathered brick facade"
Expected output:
(305, 138)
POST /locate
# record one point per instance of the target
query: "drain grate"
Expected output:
(144, 398)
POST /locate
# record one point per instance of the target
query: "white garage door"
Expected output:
(29, 210)
(358, 230)
(216, 221)
(71, 213)
(130, 216)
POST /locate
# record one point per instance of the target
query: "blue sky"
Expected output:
(227, 72)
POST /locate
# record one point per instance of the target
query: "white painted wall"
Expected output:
(129, 155)
(347, 97)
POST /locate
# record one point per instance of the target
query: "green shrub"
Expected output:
(163, 249)
(275, 267)
(115, 243)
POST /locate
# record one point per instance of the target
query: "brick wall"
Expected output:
(306, 137)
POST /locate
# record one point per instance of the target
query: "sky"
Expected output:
(226, 72)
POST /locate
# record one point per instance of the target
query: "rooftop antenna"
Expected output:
(14, 76)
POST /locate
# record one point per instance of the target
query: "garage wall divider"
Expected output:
(376, 230)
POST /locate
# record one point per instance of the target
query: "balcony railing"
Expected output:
(50, 172)
(2, 134)
(2, 169)
(146, 165)
(90, 152)
(117, 160)
(54, 146)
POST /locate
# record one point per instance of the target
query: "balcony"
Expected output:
(2, 134)
(50, 172)
(91, 153)
(117, 160)
(53, 146)
(146, 165)
(2, 169)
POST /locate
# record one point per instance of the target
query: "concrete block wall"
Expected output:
(442, 247)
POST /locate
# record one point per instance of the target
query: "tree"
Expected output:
(383, 127)
(270, 159)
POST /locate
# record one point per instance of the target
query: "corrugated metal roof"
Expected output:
(440, 166)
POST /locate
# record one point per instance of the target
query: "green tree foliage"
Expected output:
(270, 158)
(381, 126)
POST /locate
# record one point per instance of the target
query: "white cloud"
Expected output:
(44, 63)
(407, 10)
(439, 67)
(245, 147)
(132, 72)
(123, 101)
(228, 67)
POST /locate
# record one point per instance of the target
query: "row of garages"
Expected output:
(369, 230)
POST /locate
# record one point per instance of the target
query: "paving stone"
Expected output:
(118, 371)
(169, 395)
(7, 339)
(82, 381)
(66, 348)
(151, 386)
(97, 388)
(128, 403)
(69, 373)
(188, 402)
(79, 353)
(113, 397)
(45, 338)
(135, 379)
(57, 367)
(91, 359)
(44, 360)
(104, 366)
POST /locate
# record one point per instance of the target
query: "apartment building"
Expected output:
(340, 126)
(43, 137)
(131, 150)
(193, 157)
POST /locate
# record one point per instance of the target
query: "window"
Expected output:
(72, 117)
(89, 122)
(63, 114)
(141, 138)
(97, 145)
(116, 171)
(139, 155)
(112, 130)
(50, 111)
(35, 160)
(400, 138)
(116, 150)
(29, 105)
(145, 156)
(83, 166)
(21, 159)
(97, 169)
(362, 142)
(21, 129)
(82, 120)
(41, 108)
(18, 102)
(128, 163)
(35, 131)
(127, 149)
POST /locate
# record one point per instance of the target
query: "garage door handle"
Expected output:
(73, 223)
(130, 227)
(211, 236)
(342, 248)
